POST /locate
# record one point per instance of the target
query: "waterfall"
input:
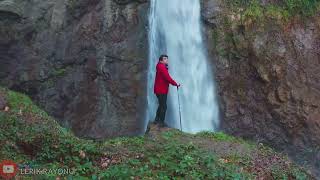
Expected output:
(175, 30)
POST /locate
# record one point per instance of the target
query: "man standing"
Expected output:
(161, 88)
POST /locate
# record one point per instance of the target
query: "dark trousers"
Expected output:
(162, 108)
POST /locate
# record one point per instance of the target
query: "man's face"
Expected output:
(165, 60)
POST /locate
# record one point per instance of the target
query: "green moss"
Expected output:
(254, 10)
(218, 43)
(59, 72)
(72, 5)
(276, 12)
(136, 141)
(220, 136)
(20, 102)
(243, 20)
(302, 7)
(49, 83)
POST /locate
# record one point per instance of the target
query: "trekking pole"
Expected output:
(179, 108)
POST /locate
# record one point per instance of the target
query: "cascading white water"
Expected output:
(175, 30)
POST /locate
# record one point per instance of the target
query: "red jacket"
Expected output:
(162, 80)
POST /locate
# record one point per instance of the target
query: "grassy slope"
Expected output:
(29, 136)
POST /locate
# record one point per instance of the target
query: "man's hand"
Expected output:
(178, 85)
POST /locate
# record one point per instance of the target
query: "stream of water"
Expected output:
(175, 30)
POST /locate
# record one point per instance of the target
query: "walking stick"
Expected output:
(179, 108)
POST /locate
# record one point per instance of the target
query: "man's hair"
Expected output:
(162, 56)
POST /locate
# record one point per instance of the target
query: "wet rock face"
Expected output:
(84, 62)
(269, 80)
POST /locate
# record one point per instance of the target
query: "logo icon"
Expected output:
(8, 169)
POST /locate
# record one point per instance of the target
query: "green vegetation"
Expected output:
(226, 42)
(29, 136)
(49, 83)
(172, 159)
(242, 21)
(72, 6)
(255, 10)
(59, 72)
(304, 7)
(219, 136)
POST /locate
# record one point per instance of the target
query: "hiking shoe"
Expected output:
(155, 122)
(148, 129)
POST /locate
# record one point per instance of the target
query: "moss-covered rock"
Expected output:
(266, 56)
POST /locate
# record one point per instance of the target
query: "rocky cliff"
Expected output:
(268, 72)
(84, 62)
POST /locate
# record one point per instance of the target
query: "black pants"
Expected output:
(162, 108)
